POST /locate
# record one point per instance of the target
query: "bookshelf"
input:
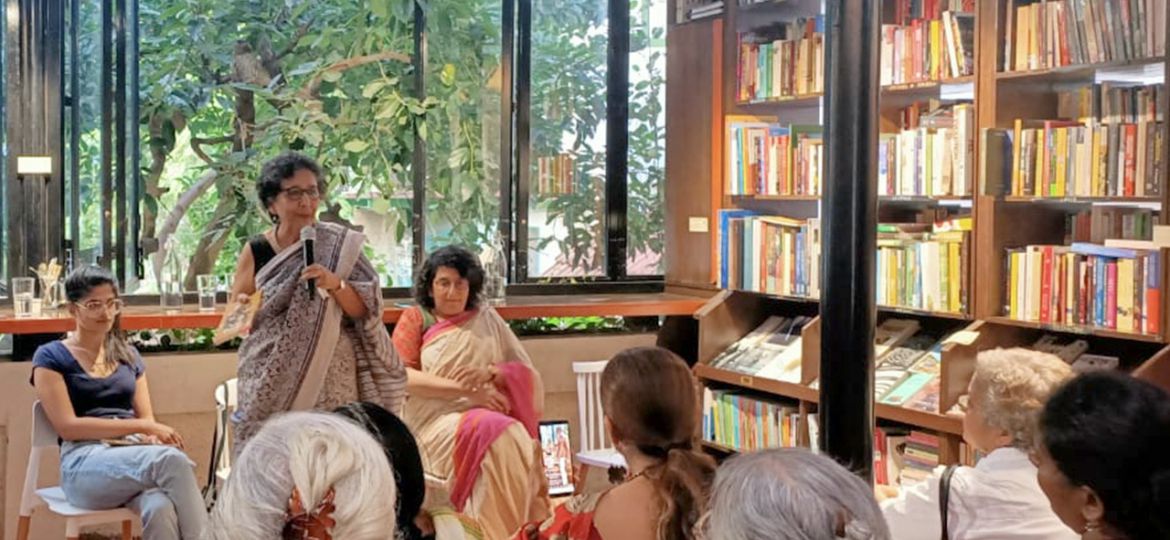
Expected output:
(992, 96)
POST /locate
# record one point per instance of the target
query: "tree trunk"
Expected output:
(171, 224)
(207, 253)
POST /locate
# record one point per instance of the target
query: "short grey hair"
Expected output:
(1010, 387)
(791, 494)
(313, 452)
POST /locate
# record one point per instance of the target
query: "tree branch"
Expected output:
(302, 31)
(198, 142)
(175, 217)
(310, 90)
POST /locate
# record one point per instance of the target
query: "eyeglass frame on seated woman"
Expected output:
(92, 307)
(297, 194)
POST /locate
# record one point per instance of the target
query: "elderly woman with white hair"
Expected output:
(999, 497)
(308, 476)
(790, 494)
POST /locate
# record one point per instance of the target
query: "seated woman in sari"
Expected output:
(315, 349)
(474, 398)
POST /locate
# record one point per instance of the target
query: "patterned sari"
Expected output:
(303, 352)
(484, 464)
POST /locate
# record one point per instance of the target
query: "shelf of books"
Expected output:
(1022, 169)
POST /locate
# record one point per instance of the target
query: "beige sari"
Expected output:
(509, 490)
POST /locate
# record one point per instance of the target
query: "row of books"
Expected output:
(771, 351)
(765, 158)
(769, 254)
(909, 10)
(937, 158)
(745, 423)
(928, 49)
(1112, 287)
(923, 266)
(1107, 143)
(1104, 222)
(1054, 33)
(904, 457)
(907, 366)
(782, 61)
(555, 174)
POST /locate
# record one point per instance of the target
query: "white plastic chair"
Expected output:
(595, 449)
(44, 439)
(226, 400)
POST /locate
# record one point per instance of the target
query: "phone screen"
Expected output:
(558, 457)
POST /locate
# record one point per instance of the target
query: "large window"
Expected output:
(413, 109)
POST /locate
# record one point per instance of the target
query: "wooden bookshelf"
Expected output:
(1000, 221)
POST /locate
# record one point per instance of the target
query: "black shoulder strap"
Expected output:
(262, 252)
(944, 498)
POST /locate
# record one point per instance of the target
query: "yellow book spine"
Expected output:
(1041, 164)
(1061, 162)
(1125, 276)
(956, 273)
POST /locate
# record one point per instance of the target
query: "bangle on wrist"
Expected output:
(340, 286)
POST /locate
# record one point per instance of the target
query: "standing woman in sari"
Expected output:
(314, 349)
(475, 399)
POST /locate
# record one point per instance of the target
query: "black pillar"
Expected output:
(848, 310)
(33, 59)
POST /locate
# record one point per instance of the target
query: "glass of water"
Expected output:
(24, 290)
(171, 296)
(208, 285)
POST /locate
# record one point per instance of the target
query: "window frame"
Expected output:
(121, 192)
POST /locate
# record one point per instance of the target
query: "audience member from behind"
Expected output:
(402, 451)
(308, 476)
(1104, 457)
(93, 388)
(999, 497)
(650, 402)
(791, 494)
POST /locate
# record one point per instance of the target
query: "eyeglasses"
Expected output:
(97, 307)
(296, 194)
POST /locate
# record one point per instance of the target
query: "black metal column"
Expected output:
(617, 137)
(507, 123)
(523, 141)
(849, 217)
(418, 163)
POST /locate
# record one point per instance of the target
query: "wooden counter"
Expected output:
(521, 307)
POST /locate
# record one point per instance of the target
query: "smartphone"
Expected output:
(558, 456)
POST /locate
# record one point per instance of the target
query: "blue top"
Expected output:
(104, 397)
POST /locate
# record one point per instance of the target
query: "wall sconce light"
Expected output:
(34, 165)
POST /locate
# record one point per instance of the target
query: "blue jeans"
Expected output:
(158, 482)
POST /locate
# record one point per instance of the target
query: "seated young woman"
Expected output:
(308, 476)
(475, 399)
(1104, 457)
(997, 498)
(650, 402)
(93, 387)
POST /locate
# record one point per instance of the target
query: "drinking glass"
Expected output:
(208, 284)
(171, 296)
(23, 291)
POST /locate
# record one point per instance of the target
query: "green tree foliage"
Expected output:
(227, 84)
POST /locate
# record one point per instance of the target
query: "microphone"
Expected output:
(308, 238)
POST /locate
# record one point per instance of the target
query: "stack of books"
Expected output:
(771, 351)
(689, 10)
(769, 254)
(783, 61)
(1056, 33)
(920, 457)
(934, 156)
(924, 266)
(1117, 288)
(931, 40)
(766, 158)
(744, 423)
